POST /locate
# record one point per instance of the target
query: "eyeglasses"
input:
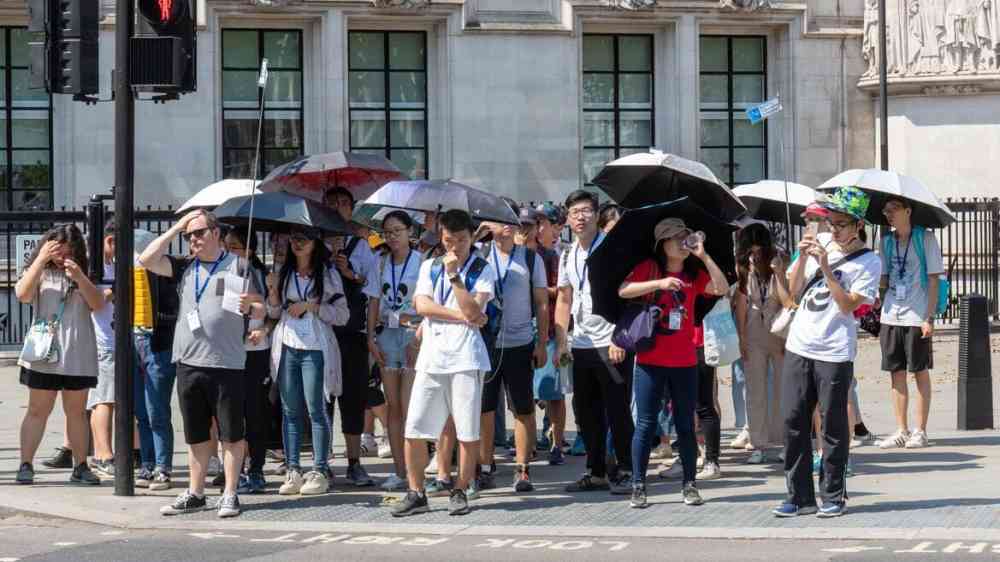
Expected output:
(581, 213)
(200, 233)
(394, 232)
(839, 225)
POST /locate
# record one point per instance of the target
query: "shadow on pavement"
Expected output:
(924, 504)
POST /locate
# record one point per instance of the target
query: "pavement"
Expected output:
(942, 496)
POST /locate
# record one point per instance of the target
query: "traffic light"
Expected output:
(164, 47)
(64, 57)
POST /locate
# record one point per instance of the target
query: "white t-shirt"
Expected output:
(820, 331)
(906, 300)
(397, 285)
(451, 347)
(104, 331)
(590, 331)
(300, 333)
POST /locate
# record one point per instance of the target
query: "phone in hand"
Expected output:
(812, 229)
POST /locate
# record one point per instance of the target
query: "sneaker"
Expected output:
(432, 467)
(917, 440)
(638, 500)
(185, 503)
(757, 457)
(220, 480)
(281, 469)
(622, 486)
(293, 483)
(436, 487)
(394, 484)
(578, 449)
(475, 488)
(358, 476)
(314, 483)
(661, 452)
(412, 504)
(832, 509)
(369, 447)
(674, 471)
(791, 510)
(214, 466)
(63, 458)
(458, 504)
(741, 441)
(849, 470)
(384, 448)
(817, 462)
(781, 456)
(143, 478)
(556, 457)
(160, 481)
(522, 482)
(691, 495)
(229, 506)
(701, 456)
(711, 471)
(104, 468)
(750, 448)
(588, 483)
(895, 441)
(487, 479)
(83, 476)
(25, 474)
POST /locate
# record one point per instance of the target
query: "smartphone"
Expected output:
(812, 229)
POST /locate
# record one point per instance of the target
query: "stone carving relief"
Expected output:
(745, 5)
(404, 4)
(632, 4)
(934, 37)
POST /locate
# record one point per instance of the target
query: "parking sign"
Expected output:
(24, 245)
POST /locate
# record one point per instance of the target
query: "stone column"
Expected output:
(687, 85)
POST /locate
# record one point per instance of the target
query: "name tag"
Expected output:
(393, 319)
(194, 322)
(901, 292)
(674, 320)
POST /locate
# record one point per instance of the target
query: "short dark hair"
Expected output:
(110, 227)
(456, 220)
(241, 235)
(210, 221)
(340, 190)
(906, 204)
(580, 196)
(401, 216)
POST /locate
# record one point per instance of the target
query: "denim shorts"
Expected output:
(393, 342)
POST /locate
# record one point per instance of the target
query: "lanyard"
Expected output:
(586, 264)
(303, 295)
(462, 273)
(902, 263)
(199, 289)
(397, 282)
(502, 278)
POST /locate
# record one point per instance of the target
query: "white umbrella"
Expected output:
(218, 193)
(928, 210)
(765, 200)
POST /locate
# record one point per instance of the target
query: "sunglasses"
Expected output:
(200, 233)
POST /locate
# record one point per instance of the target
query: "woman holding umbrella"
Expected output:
(674, 277)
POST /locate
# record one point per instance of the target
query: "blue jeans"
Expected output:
(648, 387)
(739, 394)
(154, 385)
(300, 382)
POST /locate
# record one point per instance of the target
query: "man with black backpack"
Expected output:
(358, 267)
(521, 296)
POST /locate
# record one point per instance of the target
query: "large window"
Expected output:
(25, 130)
(242, 51)
(617, 98)
(388, 97)
(733, 78)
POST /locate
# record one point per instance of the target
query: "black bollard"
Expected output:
(975, 385)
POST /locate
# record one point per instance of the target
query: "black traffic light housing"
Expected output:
(164, 48)
(64, 56)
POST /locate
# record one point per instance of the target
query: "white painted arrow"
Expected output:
(853, 549)
(208, 536)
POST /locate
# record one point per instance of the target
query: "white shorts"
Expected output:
(435, 397)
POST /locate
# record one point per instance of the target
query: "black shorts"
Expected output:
(205, 393)
(46, 381)
(374, 397)
(513, 367)
(354, 390)
(905, 349)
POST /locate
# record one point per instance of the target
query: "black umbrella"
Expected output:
(280, 212)
(433, 196)
(631, 241)
(654, 177)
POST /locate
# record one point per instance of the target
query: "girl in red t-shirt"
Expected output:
(674, 276)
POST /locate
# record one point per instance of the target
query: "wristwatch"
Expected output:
(452, 277)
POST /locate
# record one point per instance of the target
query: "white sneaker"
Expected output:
(662, 451)
(394, 484)
(384, 448)
(710, 472)
(676, 470)
(369, 447)
(701, 456)
(214, 467)
(757, 457)
(781, 456)
(315, 483)
(741, 441)
(293, 483)
(917, 440)
(895, 441)
(749, 448)
(432, 467)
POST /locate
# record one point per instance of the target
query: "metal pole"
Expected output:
(124, 175)
(883, 89)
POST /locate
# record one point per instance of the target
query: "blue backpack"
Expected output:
(917, 237)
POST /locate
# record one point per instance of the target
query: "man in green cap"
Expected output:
(831, 282)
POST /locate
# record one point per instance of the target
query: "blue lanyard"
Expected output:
(303, 295)
(397, 282)
(902, 263)
(461, 274)
(501, 279)
(199, 289)
(586, 264)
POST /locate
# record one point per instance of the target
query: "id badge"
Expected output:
(901, 292)
(194, 322)
(393, 319)
(674, 320)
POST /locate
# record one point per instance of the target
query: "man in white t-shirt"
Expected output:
(451, 295)
(833, 282)
(911, 266)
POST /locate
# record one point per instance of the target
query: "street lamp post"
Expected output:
(883, 90)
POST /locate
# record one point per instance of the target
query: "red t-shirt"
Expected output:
(676, 349)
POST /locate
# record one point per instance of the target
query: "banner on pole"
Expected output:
(262, 79)
(760, 112)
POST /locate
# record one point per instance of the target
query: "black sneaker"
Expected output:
(143, 478)
(185, 503)
(622, 486)
(522, 482)
(588, 483)
(63, 458)
(486, 480)
(83, 476)
(26, 474)
(458, 504)
(412, 504)
(638, 500)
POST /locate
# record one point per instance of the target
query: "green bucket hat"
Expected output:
(849, 201)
